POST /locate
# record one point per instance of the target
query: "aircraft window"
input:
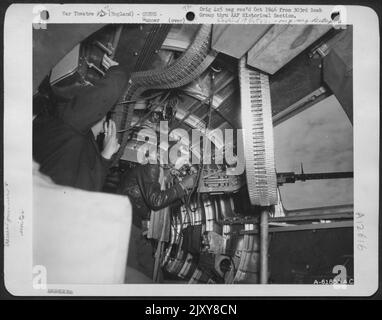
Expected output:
(321, 138)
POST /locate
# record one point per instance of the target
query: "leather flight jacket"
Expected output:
(141, 185)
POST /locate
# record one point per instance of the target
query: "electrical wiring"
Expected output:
(140, 98)
(201, 166)
(146, 116)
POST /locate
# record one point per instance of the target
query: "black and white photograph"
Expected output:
(192, 153)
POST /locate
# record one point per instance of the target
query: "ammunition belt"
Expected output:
(258, 135)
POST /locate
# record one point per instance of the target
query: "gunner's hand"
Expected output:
(108, 62)
(110, 143)
(189, 181)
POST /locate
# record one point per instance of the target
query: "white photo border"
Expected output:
(18, 190)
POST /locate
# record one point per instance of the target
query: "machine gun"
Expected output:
(291, 177)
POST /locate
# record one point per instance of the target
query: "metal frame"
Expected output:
(301, 105)
(313, 226)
